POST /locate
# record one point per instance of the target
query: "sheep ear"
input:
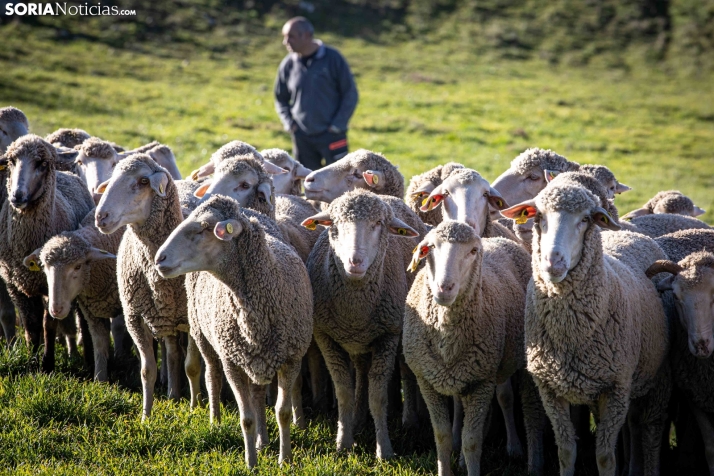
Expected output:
(550, 175)
(622, 188)
(301, 171)
(521, 212)
(418, 254)
(319, 219)
(433, 200)
(663, 266)
(226, 230)
(95, 254)
(158, 181)
(68, 155)
(32, 261)
(265, 191)
(496, 200)
(374, 178)
(422, 192)
(201, 191)
(698, 211)
(399, 228)
(604, 220)
(102, 187)
(203, 171)
(273, 169)
(666, 283)
(96, 197)
(637, 213)
(3, 162)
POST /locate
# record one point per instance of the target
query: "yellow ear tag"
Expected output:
(604, 220)
(34, 266)
(423, 202)
(415, 249)
(375, 180)
(310, 224)
(499, 203)
(523, 218)
(194, 175)
(272, 200)
(104, 252)
(413, 265)
(229, 228)
(161, 188)
(402, 231)
(3, 167)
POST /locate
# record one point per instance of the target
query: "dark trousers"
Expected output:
(318, 150)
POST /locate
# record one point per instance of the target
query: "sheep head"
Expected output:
(563, 212)
(361, 169)
(692, 284)
(95, 162)
(201, 241)
(288, 183)
(127, 197)
(360, 225)
(13, 124)
(29, 160)
(244, 179)
(452, 250)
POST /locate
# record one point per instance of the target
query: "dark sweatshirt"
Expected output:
(315, 93)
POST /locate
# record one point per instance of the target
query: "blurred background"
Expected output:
(625, 83)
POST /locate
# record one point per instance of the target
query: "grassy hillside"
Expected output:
(421, 103)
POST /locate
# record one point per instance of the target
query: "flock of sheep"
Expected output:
(463, 290)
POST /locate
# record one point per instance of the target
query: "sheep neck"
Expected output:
(165, 216)
(571, 310)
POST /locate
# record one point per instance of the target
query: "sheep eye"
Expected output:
(533, 177)
(144, 180)
(474, 251)
(78, 267)
(79, 162)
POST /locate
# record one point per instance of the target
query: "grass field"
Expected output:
(421, 104)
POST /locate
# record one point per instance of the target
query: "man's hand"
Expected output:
(334, 129)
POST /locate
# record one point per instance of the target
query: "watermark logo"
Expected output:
(63, 8)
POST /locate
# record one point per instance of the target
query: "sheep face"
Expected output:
(451, 250)
(29, 160)
(11, 128)
(562, 215)
(200, 243)
(285, 183)
(95, 162)
(692, 286)
(239, 180)
(128, 196)
(465, 196)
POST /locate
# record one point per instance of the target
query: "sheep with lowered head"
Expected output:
(250, 309)
(42, 202)
(233, 149)
(70, 138)
(290, 182)
(359, 289)
(463, 335)
(142, 195)
(595, 332)
(669, 201)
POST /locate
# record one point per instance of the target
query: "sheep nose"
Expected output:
(446, 287)
(101, 217)
(356, 261)
(19, 198)
(309, 179)
(161, 258)
(57, 310)
(555, 263)
(702, 348)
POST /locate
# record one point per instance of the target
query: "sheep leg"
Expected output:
(410, 418)
(214, 375)
(319, 380)
(192, 366)
(504, 395)
(240, 383)
(361, 364)
(144, 341)
(172, 356)
(634, 425)
(81, 335)
(476, 405)
(7, 314)
(558, 411)
(612, 409)
(458, 425)
(438, 407)
(707, 430)
(258, 392)
(50, 333)
(119, 335)
(31, 312)
(383, 359)
(338, 363)
(100, 342)
(296, 400)
(535, 421)
(288, 374)
(163, 370)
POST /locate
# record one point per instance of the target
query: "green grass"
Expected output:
(421, 104)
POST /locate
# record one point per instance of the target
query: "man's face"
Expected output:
(294, 39)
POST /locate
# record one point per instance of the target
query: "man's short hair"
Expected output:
(303, 25)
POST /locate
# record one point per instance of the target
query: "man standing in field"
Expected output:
(315, 96)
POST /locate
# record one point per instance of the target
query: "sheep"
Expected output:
(42, 203)
(233, 149)
(289, 183)
(67, 137)
(595, 331)
(13, 124)
(250, 306)
(687, 297)
(359, 290)
(360, 169)
(669, 201)
(462, 337)
(162, 155)
(80, 264)
(421, 186)
(141, 194)
(606, 178)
